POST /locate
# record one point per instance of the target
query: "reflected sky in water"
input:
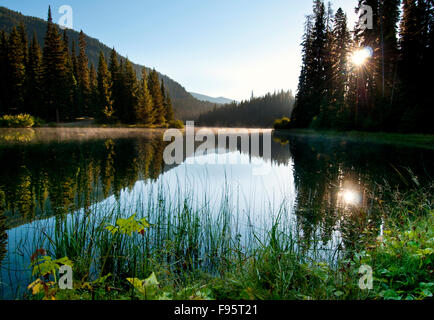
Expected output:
(319, 189)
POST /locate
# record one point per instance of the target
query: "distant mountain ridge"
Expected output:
(185, 105)
(219, 100)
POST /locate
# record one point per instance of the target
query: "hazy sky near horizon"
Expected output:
(214, 47)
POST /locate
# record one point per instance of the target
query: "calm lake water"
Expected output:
(49, 175)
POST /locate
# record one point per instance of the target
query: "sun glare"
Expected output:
(360, 56)
(350, 197)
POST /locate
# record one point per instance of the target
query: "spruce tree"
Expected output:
(54, 65)
(34, 78)
(340, 78)
(71, 92)
(24, 41)
(3, 71)
(83, 75)
(93, 83)
(411, 65)
(16, 73)
(313, 77)
(115, 82)
(144, 102)
(130, 93)
(105, 111)
(168, 108)
(170, 116)
(157, 99)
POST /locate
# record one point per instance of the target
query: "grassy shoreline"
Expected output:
(114, 259)
(411, 140)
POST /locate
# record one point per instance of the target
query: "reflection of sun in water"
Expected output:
(359, 57)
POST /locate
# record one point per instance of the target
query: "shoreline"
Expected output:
(425, 141)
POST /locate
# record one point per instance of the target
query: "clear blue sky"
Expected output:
(215, 47)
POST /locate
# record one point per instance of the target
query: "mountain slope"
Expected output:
(219, 100)
(186, 106)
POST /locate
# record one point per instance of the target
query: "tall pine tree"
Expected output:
(144, 103)
(157, 99)
(16, 72)
(54, 65)
(83, 76)
(105, 112)
(34, 78)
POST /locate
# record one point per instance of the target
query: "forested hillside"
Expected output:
(256, 112)
(186, 107)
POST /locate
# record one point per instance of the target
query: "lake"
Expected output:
(55, 181)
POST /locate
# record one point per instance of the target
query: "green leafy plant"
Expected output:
(44, 266)
(129, 226)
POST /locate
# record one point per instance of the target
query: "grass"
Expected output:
(413, 140)
(174, 248)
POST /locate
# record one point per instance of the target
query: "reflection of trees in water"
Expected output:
(17, 135)
(325, 169)
(3, 228)
(53, 178)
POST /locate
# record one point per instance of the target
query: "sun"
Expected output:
(360, 56)
(350, 197)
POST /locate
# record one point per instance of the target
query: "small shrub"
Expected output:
(38, 122)
(176, 124)
(282, 124)
(17, 121)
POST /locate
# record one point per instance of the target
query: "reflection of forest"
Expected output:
(55, 177)
(3, 228)
(325, 170)
(46, 179)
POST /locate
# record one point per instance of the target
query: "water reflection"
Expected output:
(325, 187)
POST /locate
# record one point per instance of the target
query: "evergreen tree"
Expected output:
(71, 97)
(157, 99)
(93, 83)
(74, 60)
(299, 119)
(416, 59)
(115, 82)
(16, 73)
(327, 112)
(313, 78)
(170, 116)
(24, 41)
(54, 67)
(34, 87)
(168, 108)
(144, 102)
(83, 75)
(129, 95)
(105, 111)
(3, 71)
(340, 78)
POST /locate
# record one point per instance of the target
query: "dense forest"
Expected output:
(368, 79)
(256, 112)
(57, 84)
(185, 106)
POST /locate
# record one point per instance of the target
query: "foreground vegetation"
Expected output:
(177, 252)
